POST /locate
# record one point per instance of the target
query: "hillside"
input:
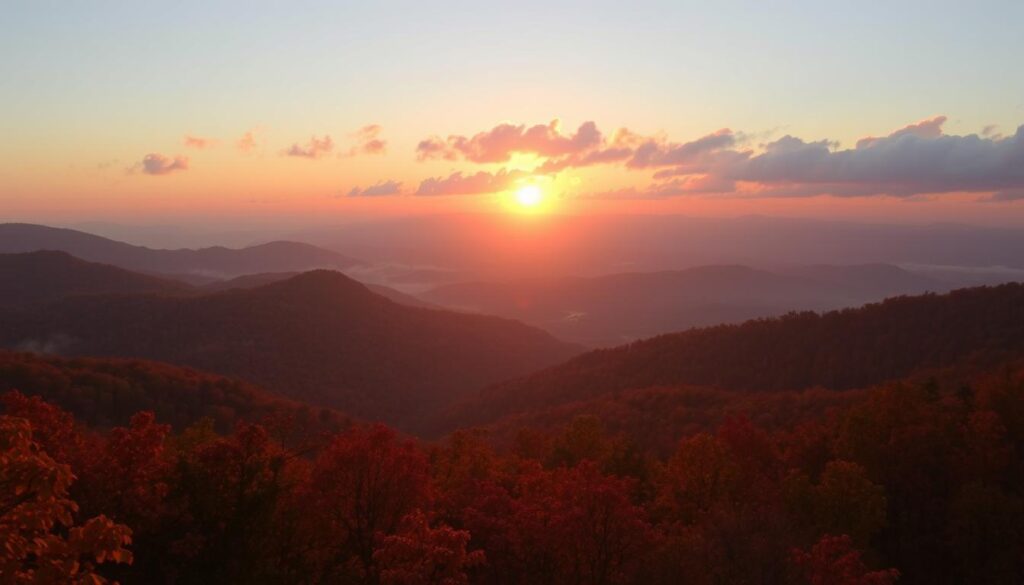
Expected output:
(619, 308)
(838, 350)
(319, 337)
(106, 392)
(215, 261)
(37, 277)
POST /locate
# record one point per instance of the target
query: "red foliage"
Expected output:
(834, 561)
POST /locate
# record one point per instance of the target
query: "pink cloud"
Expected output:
(501, 142)
(158, 164)
(315, 148)
(247, 143)
(198, 142)
(380, 189)
(478, 183)
(368, 141)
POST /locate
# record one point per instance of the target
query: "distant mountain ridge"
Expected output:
(218, 262)
(618, 308)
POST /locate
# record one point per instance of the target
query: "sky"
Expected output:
(903, 111)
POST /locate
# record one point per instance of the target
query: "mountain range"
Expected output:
(319, 337)
(198, 265)
(619, 308)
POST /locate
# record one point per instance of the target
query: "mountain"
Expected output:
(256, 280)
(320, 337)
(838, 350)
(106, 392)
(216, 261)
(618, 308)
(38, 277)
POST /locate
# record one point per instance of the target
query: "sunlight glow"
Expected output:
(529, 196)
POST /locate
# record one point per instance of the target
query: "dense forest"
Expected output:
(915, 481)
(838, 350)
(106, 392)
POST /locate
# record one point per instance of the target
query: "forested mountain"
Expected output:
(838, 350)
(216, 261)
(618, 308)
(37, 277)
(106, 392)
(319, 337)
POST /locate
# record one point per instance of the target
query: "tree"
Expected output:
(362, 485)
(420, 555)
(834, 561)
(42, 544)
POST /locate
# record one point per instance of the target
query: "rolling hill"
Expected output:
(838, 350)
(319, 337)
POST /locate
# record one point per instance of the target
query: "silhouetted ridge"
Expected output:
(838, 350)
(42, 276)
(217, 261)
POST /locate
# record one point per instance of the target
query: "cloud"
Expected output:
(199, 143)
(1008, 195)
(474, 184)
(501, 142)
(689, 185)
(315, 148)
(247, 143)
(380, 189)
(158, 164)
(917, 159)
(368, 141)
(698, 153)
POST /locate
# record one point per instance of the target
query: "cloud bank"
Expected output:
(918, 159)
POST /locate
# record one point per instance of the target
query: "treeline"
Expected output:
(106, 392)
(852, 348)
(914, 481)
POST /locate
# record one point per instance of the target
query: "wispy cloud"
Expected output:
(368, 141)
(315, 148)
(247, 143)
(199, 142)
(472, 184)
(380, 189)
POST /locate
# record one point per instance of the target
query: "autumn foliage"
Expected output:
(915, 482)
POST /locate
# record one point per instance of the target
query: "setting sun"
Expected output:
(529, 196)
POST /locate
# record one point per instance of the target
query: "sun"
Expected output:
(529, 196)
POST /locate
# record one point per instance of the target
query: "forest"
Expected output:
(917, 481)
